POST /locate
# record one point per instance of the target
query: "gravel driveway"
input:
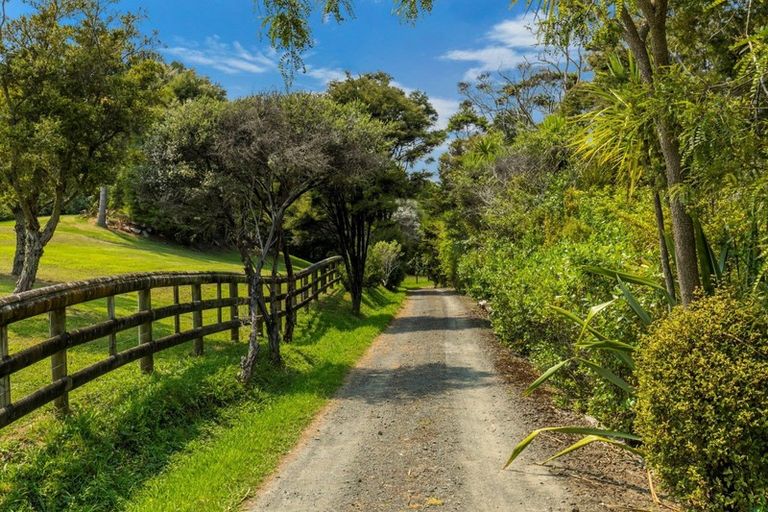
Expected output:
(424, 421)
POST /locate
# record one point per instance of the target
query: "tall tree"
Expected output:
(354, 199)
(409, 117)
(270, 150)
(75, 85)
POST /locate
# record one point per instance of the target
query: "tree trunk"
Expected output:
(33, 252)
(273, 332)
(272, 320)
(35, 238)
(290, 310)
(356, 279)
(357, 300)
(682, 225)
(101, 220)
(669, 279)
(21, 240)
(248, 362)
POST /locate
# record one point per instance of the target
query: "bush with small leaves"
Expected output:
(702, 403)
(384, 266)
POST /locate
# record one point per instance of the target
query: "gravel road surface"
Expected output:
(424, 421)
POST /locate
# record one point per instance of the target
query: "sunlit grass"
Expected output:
(188, 437)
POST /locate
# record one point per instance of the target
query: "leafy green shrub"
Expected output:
(384, 265)
(702, 403)
(520, 278)
(169, 196)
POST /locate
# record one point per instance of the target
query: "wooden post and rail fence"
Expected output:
(307, 285)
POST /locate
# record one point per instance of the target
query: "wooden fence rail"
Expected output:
(306, 286)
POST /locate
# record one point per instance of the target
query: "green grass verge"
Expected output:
(219, 473)
(80, 250)
(188, 437)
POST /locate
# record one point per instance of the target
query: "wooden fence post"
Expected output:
(146, 363)
(234, 312)
(176, 318)
(277, 288)
(290, 300)
(219, 316)
(111, 315)
(5, 382)
(197, 317)
(315, 289)
(57, 321)
(305, 291)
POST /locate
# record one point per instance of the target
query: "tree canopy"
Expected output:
(409, 117)
(76, 83)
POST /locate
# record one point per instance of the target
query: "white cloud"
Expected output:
(512, 42)
(515, 33)
(325, 75)
(228, 58)
(491, 58)
(234, 58)
(445, 109)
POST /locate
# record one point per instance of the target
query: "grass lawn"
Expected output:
(81, 250)
(188, 437)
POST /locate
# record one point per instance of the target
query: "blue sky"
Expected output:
(460, 38)
(221, 39)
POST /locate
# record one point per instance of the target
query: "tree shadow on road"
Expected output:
(407, 383)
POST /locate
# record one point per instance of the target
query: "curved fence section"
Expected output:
(217, 297)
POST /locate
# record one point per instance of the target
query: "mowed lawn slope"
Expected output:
(188, 437)
(81, 250)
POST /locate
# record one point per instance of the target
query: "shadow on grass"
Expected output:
(373, 297)
(94, 459)
(97, 458)
(337, 315)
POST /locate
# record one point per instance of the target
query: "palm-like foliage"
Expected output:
(617, 135)
(589, 343)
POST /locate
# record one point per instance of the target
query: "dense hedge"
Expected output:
(522, 276)
(702, 406)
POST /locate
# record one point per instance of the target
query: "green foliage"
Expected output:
(185, 84)
(617, 134)
(520, 280)
(173, 193)
(385, 266)
(702, 407)
(78, 86)
(591, 435)
(409, 118)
